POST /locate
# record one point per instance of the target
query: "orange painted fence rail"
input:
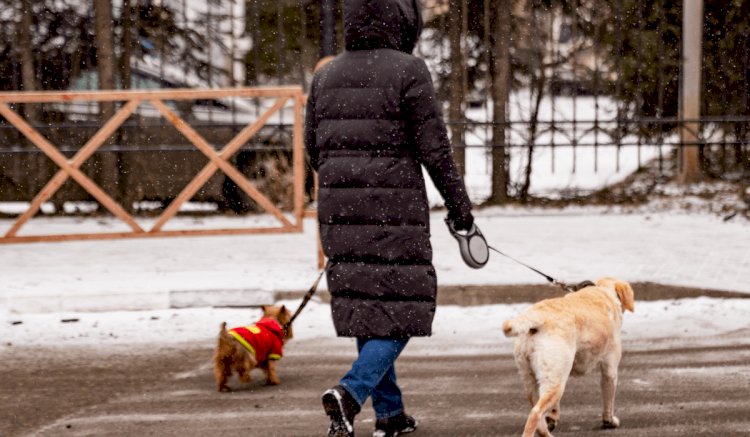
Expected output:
(218, 160)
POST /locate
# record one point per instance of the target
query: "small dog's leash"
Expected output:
(307, 298)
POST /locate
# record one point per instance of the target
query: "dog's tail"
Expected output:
(522, 324)
(223, 334)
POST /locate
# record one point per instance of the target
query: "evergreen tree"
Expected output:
(63, 41)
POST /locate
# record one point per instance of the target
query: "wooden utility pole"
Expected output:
(690, 91)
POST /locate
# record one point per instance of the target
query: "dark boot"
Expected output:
(394, 426)
(341, 407)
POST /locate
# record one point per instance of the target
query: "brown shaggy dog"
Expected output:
(244, 348)
(570, 335)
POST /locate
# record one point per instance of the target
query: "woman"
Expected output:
(372, 121)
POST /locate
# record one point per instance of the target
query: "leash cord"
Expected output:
(307, 297)
(552, 281)
(314, 286)
(549, 278)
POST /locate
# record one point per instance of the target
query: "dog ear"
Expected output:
(625, 293)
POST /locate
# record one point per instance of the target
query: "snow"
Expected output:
(474, 330)
(173, 282)
(695, 250)
(583, 158)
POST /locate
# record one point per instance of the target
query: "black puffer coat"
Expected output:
(372, 121)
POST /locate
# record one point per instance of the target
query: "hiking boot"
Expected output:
(341, 407)
(396, 425)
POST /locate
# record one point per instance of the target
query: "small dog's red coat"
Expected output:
(264, 339)
(244, 348)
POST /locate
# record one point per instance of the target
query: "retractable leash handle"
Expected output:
(472, 245)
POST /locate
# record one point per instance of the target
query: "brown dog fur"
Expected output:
(230, 355)
(570, 335)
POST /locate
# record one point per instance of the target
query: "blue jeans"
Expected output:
(373, 374)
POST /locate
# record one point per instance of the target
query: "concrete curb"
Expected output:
(138, 301)
(463, 295)
(474, 295)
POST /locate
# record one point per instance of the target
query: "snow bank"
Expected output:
(461, 328)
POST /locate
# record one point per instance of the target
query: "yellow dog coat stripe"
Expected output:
(242, 341)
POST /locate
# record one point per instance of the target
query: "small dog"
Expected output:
(246, 347)
(569, 335)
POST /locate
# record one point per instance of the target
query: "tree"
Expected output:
(646, 39)
(105, 51)
(126, 45)
(28, 73)
(456, 81)
(64, 41)
(108, 171)
(48, 40)
(285, 36)
(500, 68)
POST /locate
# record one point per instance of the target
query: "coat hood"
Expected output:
(382, 24)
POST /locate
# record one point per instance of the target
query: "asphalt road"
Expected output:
(669, 387)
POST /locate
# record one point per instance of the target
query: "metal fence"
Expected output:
(594, 86)
(595, 90)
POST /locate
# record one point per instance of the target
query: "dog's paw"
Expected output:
(224, 389)
(273, 382)
(611, 424)
(551, 423)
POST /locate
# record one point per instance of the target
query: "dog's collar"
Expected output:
(579, 286)
(277, 332)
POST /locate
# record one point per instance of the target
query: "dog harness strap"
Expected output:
(242, 341)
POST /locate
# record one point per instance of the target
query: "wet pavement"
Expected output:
(668, 387)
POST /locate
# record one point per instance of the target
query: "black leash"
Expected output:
(307, 297)
(550, 279)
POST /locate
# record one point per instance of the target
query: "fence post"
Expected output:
(690, 91)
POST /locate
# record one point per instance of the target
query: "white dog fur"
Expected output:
(570, 335)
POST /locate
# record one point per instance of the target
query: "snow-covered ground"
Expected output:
(471, 330)
(166, 279)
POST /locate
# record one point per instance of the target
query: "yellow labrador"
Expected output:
(569, 335)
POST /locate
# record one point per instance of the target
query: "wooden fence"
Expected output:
(218, 160)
